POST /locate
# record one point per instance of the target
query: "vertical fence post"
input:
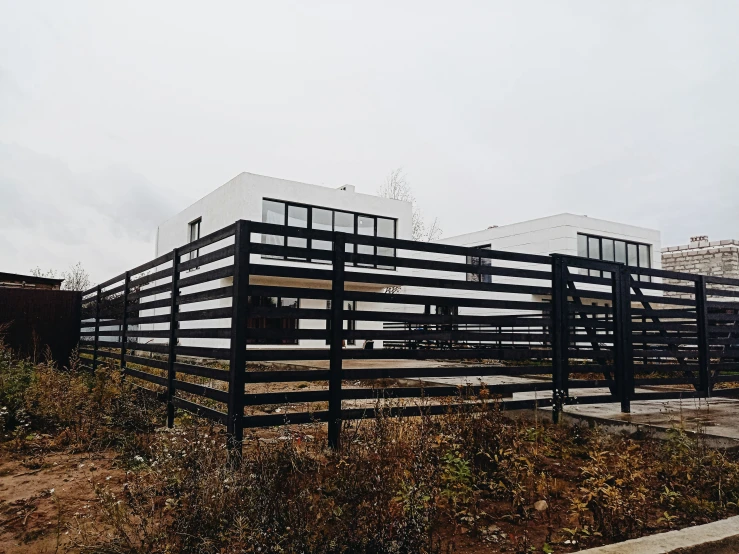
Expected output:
(622, 337)
(704, 356)
(336, 337)
(560, 335)
(97, 331)
(172, 350)
(239, 321)
(124, 320)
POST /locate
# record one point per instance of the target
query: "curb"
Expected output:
(717, 537)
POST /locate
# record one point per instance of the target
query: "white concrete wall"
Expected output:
(544, 236)
(557, 234)
(241, 198)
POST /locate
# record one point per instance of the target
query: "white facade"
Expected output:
(242, 198)
(543, 237)
(557, 234)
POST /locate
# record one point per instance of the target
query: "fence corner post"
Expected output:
(704, 356)
(622, 337)
(172, 347)
(124, 320)
(239, 322)
(97, 330)
(336, 339)
(560, 336)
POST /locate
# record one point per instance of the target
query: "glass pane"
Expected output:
(473, 277)
(644, 260)
(382, 251)
(385, 228)
(289, 302)
(631, 250)
(323, 220)
(607, 246)
(486, 262)
(594, 248)
(344, 222)
(194, 231)
(273, 212)
(367, 250)
(620, 251)
(365, 226)
(582, 246)
(297, 216)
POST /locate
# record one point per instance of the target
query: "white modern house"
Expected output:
(267, 199)
(259, 198)
(569, 234)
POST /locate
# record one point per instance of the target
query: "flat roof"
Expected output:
(19, 278)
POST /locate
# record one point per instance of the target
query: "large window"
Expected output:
(477, 276)
(614, 250)
(276, 323)
(290, 214)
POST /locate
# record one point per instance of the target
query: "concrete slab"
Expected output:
(714, 418)
(718, 537)
(368, 364)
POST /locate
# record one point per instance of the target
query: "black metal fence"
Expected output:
(260, 325)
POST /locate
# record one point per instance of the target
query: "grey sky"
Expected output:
(113, 116)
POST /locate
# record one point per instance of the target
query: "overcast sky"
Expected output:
(116, 115)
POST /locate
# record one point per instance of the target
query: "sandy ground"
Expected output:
(31, 514)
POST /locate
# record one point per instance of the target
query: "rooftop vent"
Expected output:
(699, 238)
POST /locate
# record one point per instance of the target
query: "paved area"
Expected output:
(369, 364)
(716, 417)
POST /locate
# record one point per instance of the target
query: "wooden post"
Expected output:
(622, 336)
(124, 322)
(704, 356)
(336, 337)
(239, 332)
(172, 350)
(97, 330)
(560, 335)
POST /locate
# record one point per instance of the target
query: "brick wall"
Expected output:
(718, 259)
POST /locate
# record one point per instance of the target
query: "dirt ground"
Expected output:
(42, 499)
(39, 496)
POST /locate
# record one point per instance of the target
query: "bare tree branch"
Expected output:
(396, 187)
(74, 279)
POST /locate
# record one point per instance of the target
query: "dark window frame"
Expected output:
(351, 247)
(195, 223)
(482, 262)
(627, 243)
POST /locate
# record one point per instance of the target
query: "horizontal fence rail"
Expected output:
(259, 324)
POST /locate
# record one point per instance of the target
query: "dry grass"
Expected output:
(465, 481)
